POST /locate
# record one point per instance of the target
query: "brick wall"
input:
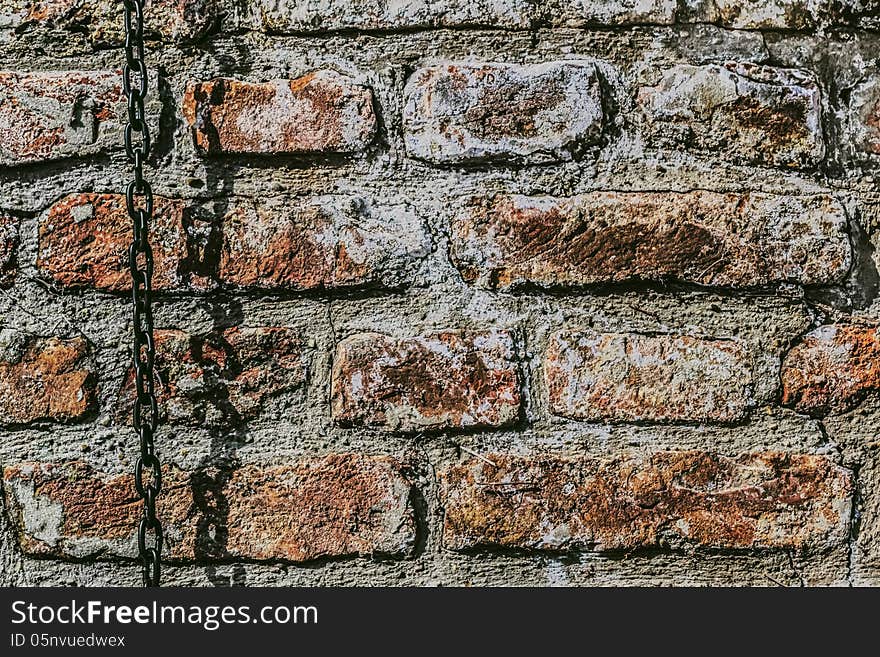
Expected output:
(459, 292)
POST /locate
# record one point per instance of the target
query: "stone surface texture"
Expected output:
(447, 292)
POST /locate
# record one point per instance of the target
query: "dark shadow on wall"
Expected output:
(215, 470)
(864, 277)
(229, 433)
(862, 284)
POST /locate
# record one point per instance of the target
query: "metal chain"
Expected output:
(139, 202)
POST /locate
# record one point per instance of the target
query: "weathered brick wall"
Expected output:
(461, 292)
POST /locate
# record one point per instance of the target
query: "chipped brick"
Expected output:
(84, 241)
(763, 15)
(668, 499)
(44, 379)
(707, 238)
(69, 510)
(101, 20)
(322, 112)
(742, 112)
(866, 115)
(832, 369)
(451, 380)
(338, 505)
(55, 115)
(460, 113)
(223, 378)
(322, 243)
(627, 377)
(580, 13)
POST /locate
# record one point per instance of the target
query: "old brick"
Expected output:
(459, 113)
(84, 241)
(70, 510)
(742, 112)
(44, 379)
(866, 115)
(707, 238)
(336, 506)
(761, 500)
(339, 505)
(578, 13)
(101, 20)
(322, 112)
(222, 378)
(449, 380)
(628, 377)
(832, 369)
(763, 15)
(8, 249)
(54, 115)
(325, 242)
(286, 16)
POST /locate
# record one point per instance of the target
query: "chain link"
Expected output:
(139, 203)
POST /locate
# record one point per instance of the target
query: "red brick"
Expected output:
(458, 113)
(762, 500)
(69, 510)
(322, 112)
(222, 378)
(54, 115)
(325, 242)
(832, 369)
(45, 379)
(8, 249)
(335, 506)
(84, 241)
(101, 20)
(297, 16)
(628, 377)
(742, 112)
(707, 238)
(452, 380)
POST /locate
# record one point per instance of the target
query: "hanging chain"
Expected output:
(139, 202)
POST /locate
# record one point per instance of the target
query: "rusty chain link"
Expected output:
(139, 203)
